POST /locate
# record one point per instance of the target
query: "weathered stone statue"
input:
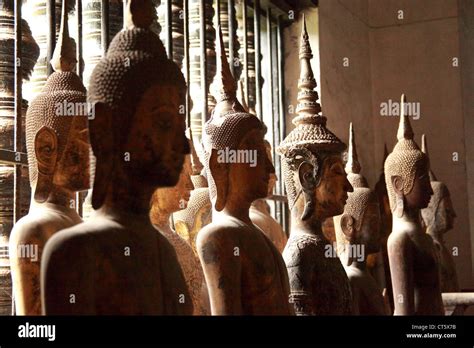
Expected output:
(164, 202)
(116, 262)
(58, 154)
(260, 212)
(411, 252)
(197, 213)
(317, 188)
(439, 219)
(358, 235)
(244, 271)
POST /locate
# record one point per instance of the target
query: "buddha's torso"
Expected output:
(128, 271)
(191, 268)
(310, 270)
(28, 238)
(425, 263)
(264, 279)
(447, 268)
(369, 296)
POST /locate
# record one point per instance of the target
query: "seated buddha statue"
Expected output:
(316, 186)
(244, 271)
(58, 156)
(116, 263)
(411, 251)
(358, 235)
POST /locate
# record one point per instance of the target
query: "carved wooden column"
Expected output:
(92, 26)
(195, 85)
(250, 53)
(236, 64)
(177, 28)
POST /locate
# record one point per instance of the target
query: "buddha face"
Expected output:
(420, 194)
(157, 137)
(172, 199)
(250, 181)
(72, 169)
(369, 234)
(446, 213)
(331, 193)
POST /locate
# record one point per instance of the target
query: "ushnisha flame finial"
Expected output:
(404, 129)
(139, 14)
(224, 86)
(352, 165)
(64, 55)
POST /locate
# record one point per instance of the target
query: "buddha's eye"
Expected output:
(165, 124)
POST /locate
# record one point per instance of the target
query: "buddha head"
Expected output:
(167, 200)
(407, 171)
(311, 154)
(236, 163)
(268, 146)
(360, 222)
(138, 131)
(197, 214)
(439, 215)
(57, 135)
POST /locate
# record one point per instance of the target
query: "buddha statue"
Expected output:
(438, 218)
(122, 266)
(197, 213)
(244, 271)
(57, 142)
(165, 201)
(358, 235)
(260, 212)
(411, 252)
(317, 187)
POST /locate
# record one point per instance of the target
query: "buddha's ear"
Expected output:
(306, 176)
(102, 143)
(397, 184)
(46, 152)
(348, 227)
(308, 185)
(220, 174)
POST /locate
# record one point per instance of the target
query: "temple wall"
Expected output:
(388, 56)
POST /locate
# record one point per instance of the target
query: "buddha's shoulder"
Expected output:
(37, 226)
(301, 247)
(220, 231)
(401, 237)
